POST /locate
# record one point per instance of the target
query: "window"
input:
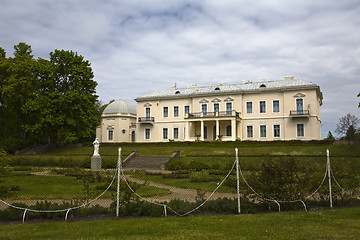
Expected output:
(204, 109)
(176, 133)
(110, 134)
(147, 133)
(228, 130)
(276, 106)
(147, 114)
(263, 131)
(216, 107)
(186, 110)
(300, 130)
(176, 111)
(262, 107)
(276, 131)
(249, 108)
(249, 131)
(165, 133)
(299, 105)
(165, 112)
(228, 108)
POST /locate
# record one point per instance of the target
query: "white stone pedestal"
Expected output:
(96, 163)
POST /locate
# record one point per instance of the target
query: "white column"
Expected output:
(202, 131)
(187, 131)
(217, 129)
(233, 129)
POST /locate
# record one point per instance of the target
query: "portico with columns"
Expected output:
(212, 126)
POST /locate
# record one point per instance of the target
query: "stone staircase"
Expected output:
(134, 161)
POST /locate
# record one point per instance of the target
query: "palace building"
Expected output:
(288, 109)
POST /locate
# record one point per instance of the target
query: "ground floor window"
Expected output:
(249, 131)
(276, 131)
(165, 133)
(110, 134)
(147, 133)
(300, 130)
(263, 131)
(176, 133)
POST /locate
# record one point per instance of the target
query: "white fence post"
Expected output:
(118, 183)
(237, 179)
(329, 176)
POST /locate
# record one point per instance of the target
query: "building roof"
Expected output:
(120, 106)
(228, 88)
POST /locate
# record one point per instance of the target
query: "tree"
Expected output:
(65, 102)
(17, 86)
(350, 133)
(359, 102)
(345, 122)
(330, 137)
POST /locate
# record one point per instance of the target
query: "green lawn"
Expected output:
(330, 224)
(34, 187)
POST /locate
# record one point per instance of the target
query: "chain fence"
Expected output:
(65, 186)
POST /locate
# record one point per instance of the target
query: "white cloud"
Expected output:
(139, 46)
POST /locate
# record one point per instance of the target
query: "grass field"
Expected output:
(331, 224)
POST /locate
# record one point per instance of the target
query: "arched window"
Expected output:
(217, 89)
(263, 86)
(177, 92)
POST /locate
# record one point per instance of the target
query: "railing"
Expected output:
(232, 113)
(299, 113)
(146, 119)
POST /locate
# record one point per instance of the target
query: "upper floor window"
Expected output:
(276, 106)
(186, 110)
(262, 107)
(249, 108)
(147, 113)
(228, 108)
(216, 107)
(204, 109)
(165, 112)
(176, 111)
(300, 105)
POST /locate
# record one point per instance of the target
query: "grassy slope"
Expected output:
(331, 224)
(214, 148)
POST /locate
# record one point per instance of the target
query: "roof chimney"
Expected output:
(286, 78)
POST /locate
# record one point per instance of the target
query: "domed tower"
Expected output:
(118, 123)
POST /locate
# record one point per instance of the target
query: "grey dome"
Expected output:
(120, 106)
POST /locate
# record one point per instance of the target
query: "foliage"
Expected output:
(43, 100)
(5, 171)
(346, 122)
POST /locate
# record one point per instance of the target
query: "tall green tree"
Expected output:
(17, 86)
(65, 102)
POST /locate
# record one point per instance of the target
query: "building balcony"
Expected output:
(212, 114)
(300, 113)
(144, 120)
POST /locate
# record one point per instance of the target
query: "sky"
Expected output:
(136, 47)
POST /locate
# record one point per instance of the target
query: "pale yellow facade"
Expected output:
(281, 110)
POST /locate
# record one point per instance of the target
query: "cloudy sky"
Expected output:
(138, 46)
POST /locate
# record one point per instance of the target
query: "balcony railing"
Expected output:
(213, 114)
(299, 113)
(146, 120)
